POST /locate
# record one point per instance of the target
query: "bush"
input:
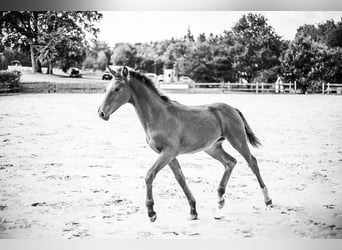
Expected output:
(9, 81)
(23, 57)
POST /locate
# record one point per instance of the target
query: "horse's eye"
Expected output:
(116, 89)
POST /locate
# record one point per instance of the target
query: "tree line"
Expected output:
(251, 49)
(50, 38)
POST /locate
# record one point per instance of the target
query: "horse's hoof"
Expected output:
(269, 203)
(221, 203)
(153, 217)
(193, 216)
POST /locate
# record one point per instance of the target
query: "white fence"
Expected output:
(243, 87)
(331, 88)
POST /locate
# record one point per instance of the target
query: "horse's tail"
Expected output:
(253, 140)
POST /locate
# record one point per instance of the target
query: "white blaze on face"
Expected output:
(110, 85)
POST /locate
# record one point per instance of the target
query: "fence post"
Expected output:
(295, 86)
(290, 87)
(256, 87)
(328, 88)
(262, 87)
(323, 87)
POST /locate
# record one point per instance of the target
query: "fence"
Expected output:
(48, 87)
(243, 87)
(332, 87)
(174, 88)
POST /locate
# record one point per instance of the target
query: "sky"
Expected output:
(147, 26)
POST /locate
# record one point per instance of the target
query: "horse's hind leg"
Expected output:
(253, 164)
(256, 171)
(217, 152)
(176, 169)
(242, 147)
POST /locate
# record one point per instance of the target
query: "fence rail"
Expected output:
(89, 87)
(244, 87)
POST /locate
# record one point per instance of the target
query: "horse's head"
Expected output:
(117, 93)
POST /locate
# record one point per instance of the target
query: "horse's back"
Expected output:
(219, 112)
(217, 106)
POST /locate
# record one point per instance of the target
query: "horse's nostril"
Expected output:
(102, 115)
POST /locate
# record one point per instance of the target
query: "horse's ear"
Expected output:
(111, 71)
(124, 72)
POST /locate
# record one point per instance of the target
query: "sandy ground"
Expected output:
(64, 173)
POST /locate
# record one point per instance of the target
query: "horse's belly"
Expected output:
(195, 145)
(197, 148)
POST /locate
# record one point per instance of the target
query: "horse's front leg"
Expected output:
(164, 158)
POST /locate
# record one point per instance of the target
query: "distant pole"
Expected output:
(323, 88)
(3, 62)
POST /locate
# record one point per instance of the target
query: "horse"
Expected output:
(173, 129)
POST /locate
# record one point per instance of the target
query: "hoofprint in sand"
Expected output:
(64, 173)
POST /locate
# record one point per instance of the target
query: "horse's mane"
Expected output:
(148, 83)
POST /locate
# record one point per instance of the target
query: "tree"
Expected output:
(102, 60)
(256, 46)
(310, 63)
(98, 56)
(20, 29)
(16, 54)
(148, 59)
(46, 33)
(333, 65)
(71, 53)
(334, 39)
(314, 56)
(199, 62)
(89, 62)
(329, 33)
(201, 38)
(125, 54)
(102, 53)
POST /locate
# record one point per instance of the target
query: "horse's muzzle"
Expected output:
(102, 115)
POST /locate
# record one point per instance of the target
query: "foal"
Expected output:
(172, 129)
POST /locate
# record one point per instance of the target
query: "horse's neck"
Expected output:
(148, 105)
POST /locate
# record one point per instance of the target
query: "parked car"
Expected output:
(107, 75)
(75, 72)
(160, 78)
(185, 79)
